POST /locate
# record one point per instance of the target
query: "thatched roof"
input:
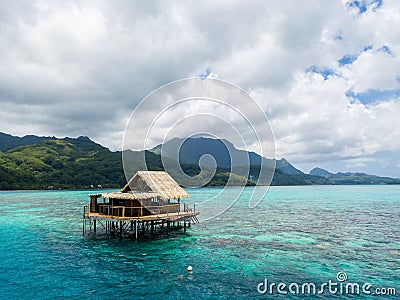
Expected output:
(157, 182)
(129, 196)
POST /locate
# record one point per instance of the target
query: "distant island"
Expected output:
(33, 162)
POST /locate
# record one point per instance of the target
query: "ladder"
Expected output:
(193, 218)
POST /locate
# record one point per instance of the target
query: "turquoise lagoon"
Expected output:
(296, 235)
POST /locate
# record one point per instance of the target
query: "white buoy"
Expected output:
(190, 269)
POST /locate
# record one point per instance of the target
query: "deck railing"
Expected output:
(138, 211)
(107, 209)
(86, 211)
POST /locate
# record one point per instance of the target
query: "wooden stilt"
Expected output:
(100, 222)
(112, 231)
(136, 229)
(84, 220)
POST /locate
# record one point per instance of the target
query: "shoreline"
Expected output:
(208, 187)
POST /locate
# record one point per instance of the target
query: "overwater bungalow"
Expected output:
(150, 201)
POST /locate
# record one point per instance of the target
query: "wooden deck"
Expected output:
(168, 216)
(135, 227)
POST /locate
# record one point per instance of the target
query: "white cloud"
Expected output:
(315, 122)
(71, 68)
(373, 69)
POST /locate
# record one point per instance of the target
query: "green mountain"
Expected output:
(320, 172)
(74, 163)
(66, 163)
(352, 178)
(224, 152)
(8, 142)
(71, 163)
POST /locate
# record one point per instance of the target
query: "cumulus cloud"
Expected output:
(70, 68)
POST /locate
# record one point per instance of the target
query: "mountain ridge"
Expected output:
(81, 163)
(192, 149)
(352, 177)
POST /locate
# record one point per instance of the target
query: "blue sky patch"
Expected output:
(373, 96)
(204, 75)
(360, 5)
(347, 59)
(366, 48)
(364, 5)
(387, 50)
(325, 72)
(350, 58)
(338, 37)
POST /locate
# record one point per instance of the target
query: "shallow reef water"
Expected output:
(295, 235)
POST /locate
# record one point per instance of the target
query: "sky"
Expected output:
(325, 73)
